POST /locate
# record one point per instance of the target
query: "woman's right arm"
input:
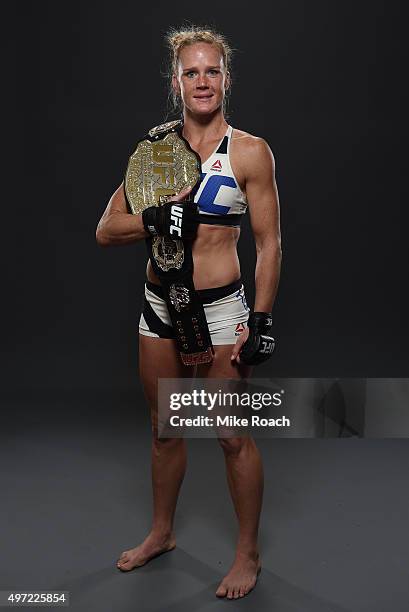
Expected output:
(118, 226)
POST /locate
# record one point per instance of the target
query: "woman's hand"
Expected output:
(181, 196)
(175, 219)
(239, 343)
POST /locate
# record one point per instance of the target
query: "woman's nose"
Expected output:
(202, 80)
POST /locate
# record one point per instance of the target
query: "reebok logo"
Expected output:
(217, 166)
(239, 329)
(176, 213)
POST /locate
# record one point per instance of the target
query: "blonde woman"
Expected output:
(237, 175)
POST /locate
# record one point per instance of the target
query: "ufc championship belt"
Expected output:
(162, 165)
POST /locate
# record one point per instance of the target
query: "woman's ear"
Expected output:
(175, 85)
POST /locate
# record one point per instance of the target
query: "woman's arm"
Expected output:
(118, 226)
(262, 196)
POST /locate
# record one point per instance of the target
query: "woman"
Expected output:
(200, 80)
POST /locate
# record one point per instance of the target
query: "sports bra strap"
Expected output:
(229, 220)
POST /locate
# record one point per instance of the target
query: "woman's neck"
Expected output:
(198, 128)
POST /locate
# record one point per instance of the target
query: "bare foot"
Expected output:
(241, 578)
(153, 546)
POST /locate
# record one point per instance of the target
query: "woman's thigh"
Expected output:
(159, 358)
(222, 366)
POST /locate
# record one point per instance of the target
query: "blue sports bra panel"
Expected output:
(218, 192)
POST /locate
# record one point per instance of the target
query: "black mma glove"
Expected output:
(259, 345)
(172, 219)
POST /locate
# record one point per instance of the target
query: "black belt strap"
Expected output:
(184, 305)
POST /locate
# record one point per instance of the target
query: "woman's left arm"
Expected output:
(262, 197)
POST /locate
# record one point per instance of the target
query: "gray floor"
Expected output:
(76, 492)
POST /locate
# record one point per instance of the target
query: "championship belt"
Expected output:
(162, 165)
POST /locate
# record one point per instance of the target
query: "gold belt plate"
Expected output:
(158, 170)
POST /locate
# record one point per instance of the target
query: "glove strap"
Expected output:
(259, 345)
(260, 321)
(149, 220)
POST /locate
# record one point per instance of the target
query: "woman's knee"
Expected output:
(233, 446)
(160, 445)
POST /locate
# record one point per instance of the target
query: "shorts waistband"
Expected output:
(206, 295)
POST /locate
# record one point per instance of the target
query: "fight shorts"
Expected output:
(225, 308)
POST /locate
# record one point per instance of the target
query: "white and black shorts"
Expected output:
(225, 308)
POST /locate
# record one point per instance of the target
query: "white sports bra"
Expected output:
(219, 193)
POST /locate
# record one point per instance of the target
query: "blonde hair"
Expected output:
(178, 38)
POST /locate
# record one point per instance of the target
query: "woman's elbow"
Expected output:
(272, 247)
(100, 236)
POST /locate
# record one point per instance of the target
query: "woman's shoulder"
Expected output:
(248, 144)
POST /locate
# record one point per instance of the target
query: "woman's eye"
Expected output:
(190, 74)
(213, 72)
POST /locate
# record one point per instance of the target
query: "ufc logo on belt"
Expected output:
(176, 213)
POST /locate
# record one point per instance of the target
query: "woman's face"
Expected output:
(201, 78)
